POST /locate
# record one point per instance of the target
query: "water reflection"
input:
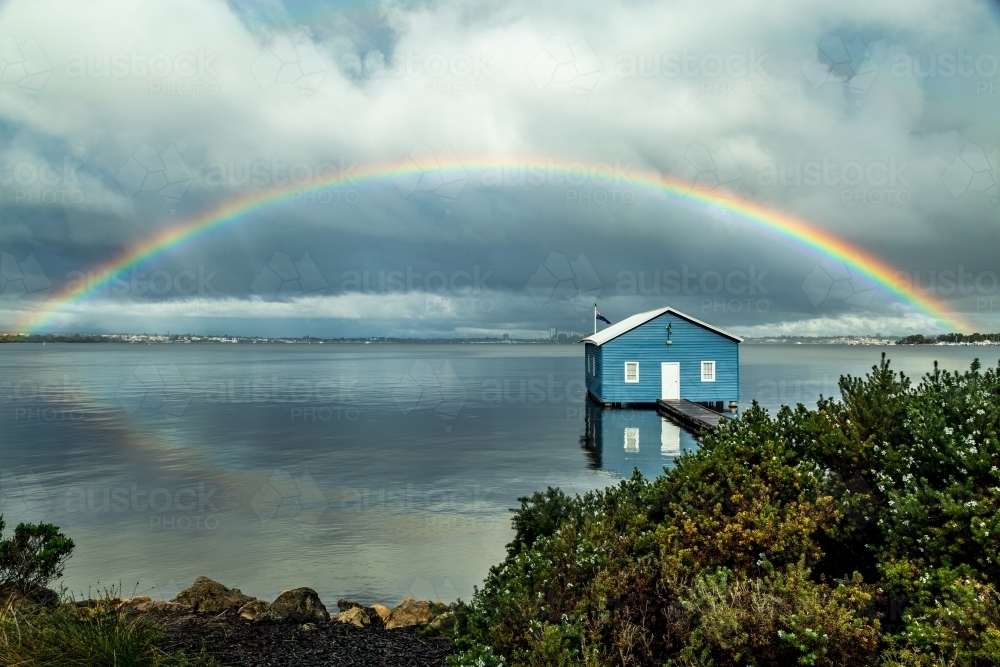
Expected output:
(621, 440)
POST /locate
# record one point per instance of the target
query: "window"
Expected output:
(631, 439)
(631, 371)
(708, 371)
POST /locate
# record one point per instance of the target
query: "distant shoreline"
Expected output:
(185, 339)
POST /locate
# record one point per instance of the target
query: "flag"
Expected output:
(598, 315)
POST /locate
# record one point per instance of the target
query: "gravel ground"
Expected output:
(237, 642)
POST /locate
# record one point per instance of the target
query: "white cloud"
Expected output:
(461, 79)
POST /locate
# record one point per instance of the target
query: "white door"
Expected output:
(631, 439)
(670, 438)
(670, 374)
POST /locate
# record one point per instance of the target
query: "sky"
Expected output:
(456, 169)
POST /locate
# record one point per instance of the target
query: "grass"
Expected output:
(102, 634)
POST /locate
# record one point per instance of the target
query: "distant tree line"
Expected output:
(918, 339)
(52, 338)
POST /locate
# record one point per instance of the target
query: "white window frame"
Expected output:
(709, 377)
(632, 363)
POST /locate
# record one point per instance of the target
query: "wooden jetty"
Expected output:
(691, 414)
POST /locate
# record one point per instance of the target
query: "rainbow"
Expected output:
(786, 228)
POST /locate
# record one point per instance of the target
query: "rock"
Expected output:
(374, 614)
(301, 605)
(255, 610)
(133, 603)
(356, 616)
(344, 605)
(39, 598)
(442, 623)
(211, 596)
(414, 613)
(158, 606)
(382, 611)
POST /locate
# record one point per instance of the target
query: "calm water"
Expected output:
(359, 470)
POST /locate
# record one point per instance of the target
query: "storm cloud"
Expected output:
(509, 146)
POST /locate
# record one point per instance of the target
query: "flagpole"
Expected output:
(595, 318)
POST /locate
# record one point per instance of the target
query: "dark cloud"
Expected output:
(873, 122)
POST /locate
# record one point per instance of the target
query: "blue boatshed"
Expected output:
(663, 354)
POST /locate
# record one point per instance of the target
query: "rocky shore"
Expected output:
(297, 629)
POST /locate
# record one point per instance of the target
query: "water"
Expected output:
(364, 471)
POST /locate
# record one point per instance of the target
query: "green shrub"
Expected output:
(780, 618)
(862, 532)
(32, 558)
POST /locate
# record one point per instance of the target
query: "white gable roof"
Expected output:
(629, 323)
